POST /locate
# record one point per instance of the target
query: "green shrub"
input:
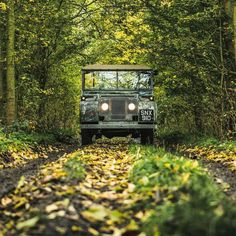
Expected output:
(179, 195)
(21, 140)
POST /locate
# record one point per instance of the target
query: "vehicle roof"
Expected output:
(97, 67)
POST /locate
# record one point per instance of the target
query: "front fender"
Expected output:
(89, 112)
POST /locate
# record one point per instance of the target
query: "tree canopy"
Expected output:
(190, 43)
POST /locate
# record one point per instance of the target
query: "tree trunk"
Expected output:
(230, 8)
(234, 26)
(11, 97)
(1, 80)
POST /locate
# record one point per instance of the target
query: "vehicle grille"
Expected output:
(118, 108)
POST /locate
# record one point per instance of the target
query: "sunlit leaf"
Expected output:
(28, 223)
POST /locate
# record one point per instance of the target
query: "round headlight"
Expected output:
(131, 106)
(104, 106)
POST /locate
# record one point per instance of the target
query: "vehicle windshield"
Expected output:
(121, 80)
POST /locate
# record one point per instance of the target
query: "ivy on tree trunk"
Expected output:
(1, 79)
(11, 98)
(234, 24)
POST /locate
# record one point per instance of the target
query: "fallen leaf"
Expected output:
(52, 207)
(28, 223)
(21, 182)
(93, 231)
(144, 180)
(95, 213)
(132, 226)
(56, 214)
(131, 187)
(76, 228)
(6, 201)
(21, 201)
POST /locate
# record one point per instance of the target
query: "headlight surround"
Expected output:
(104, 106)
(131, 106)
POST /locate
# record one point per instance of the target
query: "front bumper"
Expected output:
(118, 125)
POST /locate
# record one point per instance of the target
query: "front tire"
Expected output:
(147, 137)
(86, 137)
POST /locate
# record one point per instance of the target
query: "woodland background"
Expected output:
(191, 43)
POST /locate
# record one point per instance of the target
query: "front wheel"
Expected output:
(147, 137)
(86, 136)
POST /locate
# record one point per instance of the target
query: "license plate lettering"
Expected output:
(146, 112)
(146, 115)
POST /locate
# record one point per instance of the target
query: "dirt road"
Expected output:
(46, 201)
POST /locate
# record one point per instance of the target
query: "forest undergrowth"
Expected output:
(223, 152)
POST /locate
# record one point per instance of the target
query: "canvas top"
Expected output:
(97, 67)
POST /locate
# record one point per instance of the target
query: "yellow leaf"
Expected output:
(144, 180)
(76, 228)
(21, 201)
(3, 6)
(6, 201)
(139, 215)
(56, 214)
(10, 224)
(116, 216)
(176, 168)
(185, 177)
(93, 231)
(109, 195)
(21, 182)
(195, 164)
(28, 223)
(167, 165)
(95, 212)
(57, 205)
(52, 207)
(131, 187)
(131, 226)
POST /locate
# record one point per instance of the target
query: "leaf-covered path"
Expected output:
(116, 189)
(85, 192)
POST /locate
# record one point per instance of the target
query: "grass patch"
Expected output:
(178, 195)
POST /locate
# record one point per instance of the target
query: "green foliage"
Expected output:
(189, 43)
(212, 142)
(188, 46)
(49, 42)
(75, 168)
(11, 143)
(163, 169)
(21, 140)
(182, 49)
(182, 198)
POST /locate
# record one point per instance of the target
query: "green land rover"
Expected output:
(117, 100)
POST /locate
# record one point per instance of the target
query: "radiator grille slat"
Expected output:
(118, 108)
